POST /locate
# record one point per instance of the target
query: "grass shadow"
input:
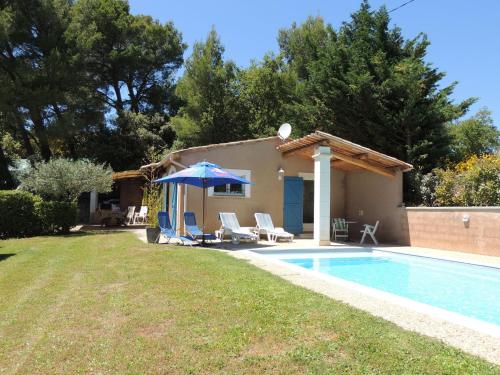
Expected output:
(5, 256)
(74, 234)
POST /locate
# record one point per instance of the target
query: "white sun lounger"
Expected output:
(265, 225)
(231, 226)
(370, 230)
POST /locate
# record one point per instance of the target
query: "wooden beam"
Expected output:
(363, 156)
(300, 148)
(363, 164)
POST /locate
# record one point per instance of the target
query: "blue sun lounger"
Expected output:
(168, 232)
(193, 230)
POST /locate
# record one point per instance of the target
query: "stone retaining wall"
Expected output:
(469, 229)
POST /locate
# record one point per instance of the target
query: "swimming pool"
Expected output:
(466, 289)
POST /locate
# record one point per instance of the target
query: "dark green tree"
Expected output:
(368, 84)
(35, 66)
(131, 59)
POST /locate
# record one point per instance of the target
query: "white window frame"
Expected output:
(246, 174)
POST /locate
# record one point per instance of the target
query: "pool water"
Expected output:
(466, 289)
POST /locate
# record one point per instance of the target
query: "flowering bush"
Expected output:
(474, 182)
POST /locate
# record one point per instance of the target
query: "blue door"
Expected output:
(293, 205)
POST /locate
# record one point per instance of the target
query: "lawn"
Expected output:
(107, 303)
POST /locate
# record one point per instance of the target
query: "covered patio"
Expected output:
(330, 152)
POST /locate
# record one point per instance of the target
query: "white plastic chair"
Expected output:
(231, 226)
(265, 225)
(130, 214)
(370, 230)
(142, 215)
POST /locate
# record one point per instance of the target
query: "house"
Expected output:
(127, 191)
(302, 183)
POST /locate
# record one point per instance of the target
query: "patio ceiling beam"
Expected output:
(362, 156)
(301, 147)
(363, 164)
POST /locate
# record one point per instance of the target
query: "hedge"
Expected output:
(24, 214)
(56, 217)
(18, 216)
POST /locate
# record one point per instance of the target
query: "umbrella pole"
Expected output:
(203, 229)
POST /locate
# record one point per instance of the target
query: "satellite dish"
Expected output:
(284, 131)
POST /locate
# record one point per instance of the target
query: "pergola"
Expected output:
(329, 151)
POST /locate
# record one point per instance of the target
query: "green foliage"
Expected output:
(126, 53)
(18, 216)
(56, 217)
(211, 112)
(39, 75)
(65, 179)
(153, 199)
(65, 64)
(367, 84)
(474, 182)
(474, 136)
(25, 214)
(125, 149)
(88, 79)
(266, 94)
(152, 196)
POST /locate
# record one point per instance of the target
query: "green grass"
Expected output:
(107, 303)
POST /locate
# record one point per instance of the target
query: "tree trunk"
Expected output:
(134, 104)
(6, 180)
(41, 134)
(24, 135)
(408, 142)
(70, 142)
(119, 101)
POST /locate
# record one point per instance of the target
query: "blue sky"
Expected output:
(464, 35)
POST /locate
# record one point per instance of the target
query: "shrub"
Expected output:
(24, 214)
(66, 179)
(153, 199)
(56, 217)
(474, 182)
(18, 216)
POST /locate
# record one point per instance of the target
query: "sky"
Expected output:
(464, 35)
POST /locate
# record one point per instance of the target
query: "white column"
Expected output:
(92, 205)
(322, 195)
(316, 264)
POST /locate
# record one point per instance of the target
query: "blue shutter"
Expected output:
(293, 204)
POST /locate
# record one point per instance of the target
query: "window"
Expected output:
(232, 190)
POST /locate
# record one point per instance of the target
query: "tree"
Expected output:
(474, 136)
(124, 145)
(211, 112)
(6, 180)
(131, 59)
(366, 83)
(267, 94)
(35, 66)
(302, 45)
(65, 179)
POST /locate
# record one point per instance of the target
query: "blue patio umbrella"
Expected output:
(203, 175)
